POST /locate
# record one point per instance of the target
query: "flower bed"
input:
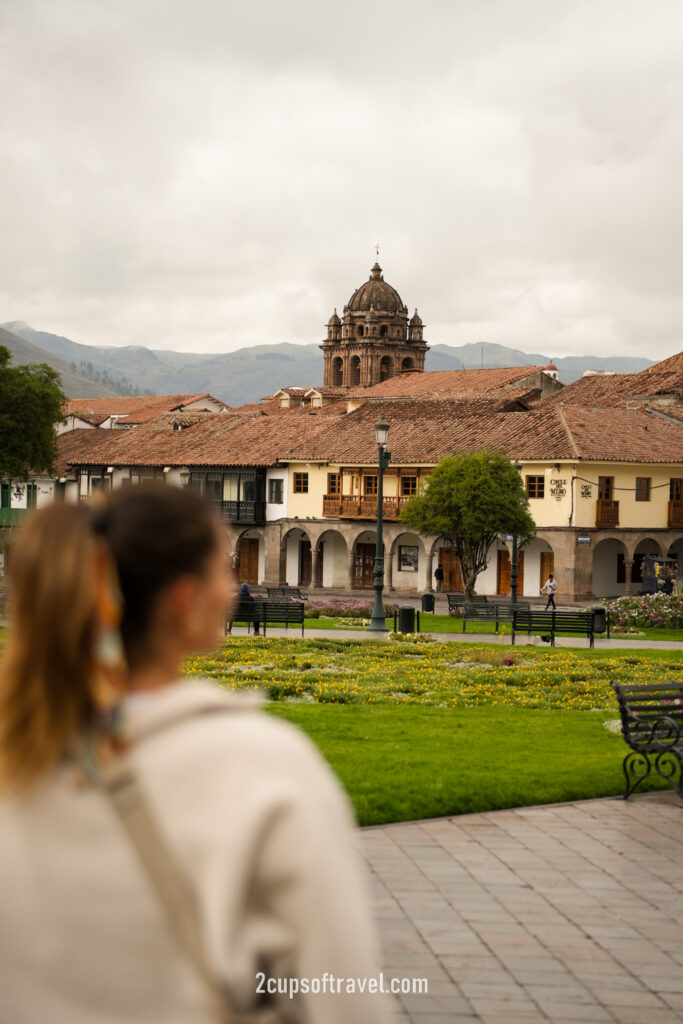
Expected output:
(344, 608)
(657, 611)
(440, 674)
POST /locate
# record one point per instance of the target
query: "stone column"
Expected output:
(317, 570)
(352, 562)
(271, 540)
(430, 573)
(628, 569)
(388, 568)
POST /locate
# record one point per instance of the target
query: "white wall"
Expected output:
(294, 537)
(487, 581)
(275, 512)
(605, 568)
(18, 494)
(335, 560)
(45, 492)
(532, 566)
(403, 579)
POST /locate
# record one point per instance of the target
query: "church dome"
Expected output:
(416, 320)
(334, 320)
(376, 293)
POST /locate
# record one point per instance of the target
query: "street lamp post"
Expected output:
(514, 568)
(378, 622)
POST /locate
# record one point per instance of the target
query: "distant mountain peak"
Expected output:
(17, 325)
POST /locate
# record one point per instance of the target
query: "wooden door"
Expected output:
(452, 575)
(305, 563)
(547, 566)
(364, 565)
(503, 581)
(248, 567)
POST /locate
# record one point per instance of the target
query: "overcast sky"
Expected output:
(206, 174)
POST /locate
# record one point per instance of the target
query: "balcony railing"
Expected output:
(607, 512)
(241, 511)
(11, 516)
(676, 513)
(347, 506)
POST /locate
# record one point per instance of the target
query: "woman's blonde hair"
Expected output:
(153, 535)
(46, 675)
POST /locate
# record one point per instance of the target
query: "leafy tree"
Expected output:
(30, 405)
(470, 500)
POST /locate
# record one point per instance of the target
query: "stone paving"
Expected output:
(564, 913)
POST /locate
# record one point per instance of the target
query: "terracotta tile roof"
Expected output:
(138, 409)
(421, 433)
(230, 439)
(620, 388)
(424, 432)
(440, 384)
(672, 364)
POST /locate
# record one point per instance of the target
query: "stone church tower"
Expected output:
(374, 340)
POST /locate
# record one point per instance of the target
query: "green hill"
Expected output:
(246, 375)
(74, 384)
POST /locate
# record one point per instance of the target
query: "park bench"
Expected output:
(498, 611)
(292, 592)
(652, 723)
(551, 622)
(456, 601)
(273, 612)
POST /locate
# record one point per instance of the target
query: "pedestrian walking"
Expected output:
(438, 576)
(549, 588)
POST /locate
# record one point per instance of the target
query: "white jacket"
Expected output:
(258, 822)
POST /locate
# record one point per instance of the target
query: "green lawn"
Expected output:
(400, 763)
(424, 729)
(453, 624)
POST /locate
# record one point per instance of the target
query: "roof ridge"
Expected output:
(565, 424)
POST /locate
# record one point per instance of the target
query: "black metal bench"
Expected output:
(497, 611)
(652, 723)
(456, 601)
(552, 622)
(293, 592)
(273, 612)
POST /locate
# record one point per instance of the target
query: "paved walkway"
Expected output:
(563, 913)
(472, 638)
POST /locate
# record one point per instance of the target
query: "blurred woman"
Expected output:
(168, 852)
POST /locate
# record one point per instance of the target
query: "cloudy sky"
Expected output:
(207, 174)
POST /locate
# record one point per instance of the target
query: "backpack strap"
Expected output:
(121, 786)
(117, 780)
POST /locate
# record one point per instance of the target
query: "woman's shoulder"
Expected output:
(200, 722)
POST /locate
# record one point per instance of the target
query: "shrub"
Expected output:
(344, 608)
(658, 611)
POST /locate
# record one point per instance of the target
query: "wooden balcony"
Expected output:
(676, 513)
(253, 512)
(607, 512)
(346, 506)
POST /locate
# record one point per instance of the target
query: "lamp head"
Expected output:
(381, 431)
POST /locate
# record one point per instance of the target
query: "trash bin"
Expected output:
(599, 619)
(427, 602)
(406, 619)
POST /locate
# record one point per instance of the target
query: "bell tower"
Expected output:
(374, 340)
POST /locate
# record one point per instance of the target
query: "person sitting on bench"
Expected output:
(244, 595)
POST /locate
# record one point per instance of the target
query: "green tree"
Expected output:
(30, 405)
(470, 500)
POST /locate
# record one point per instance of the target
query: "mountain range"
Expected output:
(247, 374)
